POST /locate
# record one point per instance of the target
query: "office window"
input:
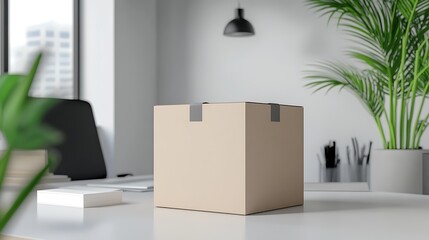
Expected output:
(35, 33)
(33, 43)
(49, 33)
(65, 45)
(49, 71)
(49, 44)
(64, 55)
(64, 34)
(49, 26)
(50, 55)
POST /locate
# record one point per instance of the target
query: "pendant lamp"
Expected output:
(239, 27)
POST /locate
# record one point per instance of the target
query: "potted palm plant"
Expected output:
(392, 80)
(22, 128)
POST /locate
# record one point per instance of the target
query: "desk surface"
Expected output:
(325, 215)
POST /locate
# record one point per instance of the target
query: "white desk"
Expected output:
(325, 215)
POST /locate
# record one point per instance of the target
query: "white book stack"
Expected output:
(23, 165)
(79, 196)
(49, 178)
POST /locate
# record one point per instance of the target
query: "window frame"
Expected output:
(4, 42)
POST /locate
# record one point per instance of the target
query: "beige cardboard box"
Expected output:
(240, 158)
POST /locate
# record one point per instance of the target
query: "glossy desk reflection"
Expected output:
(325, 215)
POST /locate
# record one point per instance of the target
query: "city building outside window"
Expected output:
(48, 26)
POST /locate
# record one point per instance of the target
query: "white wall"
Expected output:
(119, 79)
(130, 48)
(196, 63)
(135, 85)
(97, 69)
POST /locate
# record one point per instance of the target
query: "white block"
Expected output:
(79, 196)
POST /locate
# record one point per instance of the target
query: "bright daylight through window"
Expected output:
(43, 25)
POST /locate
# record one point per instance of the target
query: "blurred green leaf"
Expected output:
(13, 107)
(7, 85)
(4, 162)
(35, 109)
(21, 122)
(38, 137)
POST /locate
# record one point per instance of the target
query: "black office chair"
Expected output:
(81, 154)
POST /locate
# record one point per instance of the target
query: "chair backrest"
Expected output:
(81, 153)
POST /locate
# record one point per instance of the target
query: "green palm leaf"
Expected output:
(391, 36)
(361, 84)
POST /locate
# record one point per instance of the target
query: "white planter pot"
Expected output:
(400, 171)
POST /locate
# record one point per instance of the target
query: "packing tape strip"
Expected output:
(275, 112)
(196, 112)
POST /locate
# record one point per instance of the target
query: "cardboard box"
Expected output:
(238, 158)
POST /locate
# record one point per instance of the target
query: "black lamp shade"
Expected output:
(239, 27)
